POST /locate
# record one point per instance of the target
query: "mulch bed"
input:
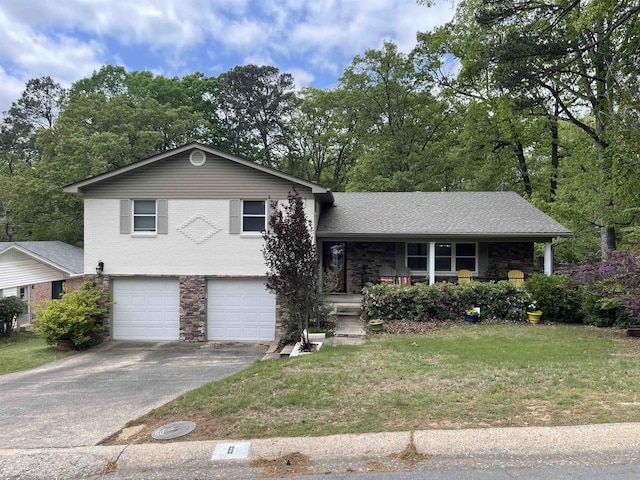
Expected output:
(413, 326)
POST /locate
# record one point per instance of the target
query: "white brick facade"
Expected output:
(198, 242)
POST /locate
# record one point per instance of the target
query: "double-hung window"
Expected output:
(417, 254)
(144, 216)
(451, 257)
(254, 215)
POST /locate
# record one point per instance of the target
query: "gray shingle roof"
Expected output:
(436, 213)
(62, 255)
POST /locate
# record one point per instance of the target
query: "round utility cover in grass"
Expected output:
(173, 430)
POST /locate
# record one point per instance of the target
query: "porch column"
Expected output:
(548, 259)
(432, 263)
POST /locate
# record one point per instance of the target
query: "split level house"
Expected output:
(38, 271)
(176, 239)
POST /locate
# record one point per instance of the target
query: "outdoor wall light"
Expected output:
(100, 268)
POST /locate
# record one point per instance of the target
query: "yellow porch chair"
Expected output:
(516, 278)
(464, 276)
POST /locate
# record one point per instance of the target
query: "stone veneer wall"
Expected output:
(364, 260)
(511, 256)
(193, 308)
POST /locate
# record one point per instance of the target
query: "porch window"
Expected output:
(451, 257)
(417, 254)
(466, 256)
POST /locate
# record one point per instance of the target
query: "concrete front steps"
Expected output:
(347, 309)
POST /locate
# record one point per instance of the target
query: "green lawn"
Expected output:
(23, 350)
(462, 376)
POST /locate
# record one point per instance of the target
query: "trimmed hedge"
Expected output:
(445, 301)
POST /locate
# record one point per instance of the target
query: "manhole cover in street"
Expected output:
(173, 430)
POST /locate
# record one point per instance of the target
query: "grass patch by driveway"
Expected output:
(23, 350)
(462, 376)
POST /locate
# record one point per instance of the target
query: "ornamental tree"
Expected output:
(292, 264)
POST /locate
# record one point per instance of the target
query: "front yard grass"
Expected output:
(23, 350)
(461, 376)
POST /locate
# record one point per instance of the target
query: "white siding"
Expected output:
(221, 254)
(18, 269)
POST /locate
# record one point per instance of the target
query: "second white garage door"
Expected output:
(240, 309)
(146, 309)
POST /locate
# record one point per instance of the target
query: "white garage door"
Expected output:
(240, 309)
(146, 309)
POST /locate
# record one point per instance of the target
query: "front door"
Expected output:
(333, 267)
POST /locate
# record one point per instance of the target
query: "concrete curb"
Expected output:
(439, 446)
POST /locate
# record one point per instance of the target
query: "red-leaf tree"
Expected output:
(292, 263)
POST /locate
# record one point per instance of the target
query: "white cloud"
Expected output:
(312, 39)
(11, 90)
(302, 78)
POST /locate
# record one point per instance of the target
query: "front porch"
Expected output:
(349, 265)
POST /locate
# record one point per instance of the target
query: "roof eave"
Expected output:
(42, 259)
(320, 234)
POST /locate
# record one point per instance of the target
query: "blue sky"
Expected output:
(314, 40)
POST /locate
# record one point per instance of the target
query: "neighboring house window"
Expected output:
(417, 254)
(451, 257)
(254, 214)
(57, 289)
(144, 215)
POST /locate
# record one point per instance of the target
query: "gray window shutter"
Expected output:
(234, 216)
(125, 214)
(163, 216)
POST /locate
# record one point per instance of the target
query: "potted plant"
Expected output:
(533, 313)
(534, 316)
(472, 314)
(376, 325)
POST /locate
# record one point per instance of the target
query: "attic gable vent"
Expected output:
(197, 158)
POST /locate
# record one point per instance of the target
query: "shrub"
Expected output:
(444, 301)
(10, 308)
(77, 316)
(497, 300)
(557, 296)
(611, 289)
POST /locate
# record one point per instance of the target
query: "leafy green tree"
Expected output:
(577, 57)
(256, 104)
(399, 124)
(323, 146)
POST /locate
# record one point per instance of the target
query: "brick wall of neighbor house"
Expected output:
(511, 256)
(193, 308)
(41, 292)
(364, 260)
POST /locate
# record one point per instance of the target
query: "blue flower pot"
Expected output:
(471, 317)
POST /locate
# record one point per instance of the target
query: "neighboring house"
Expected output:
(178, 237)
(38, 271)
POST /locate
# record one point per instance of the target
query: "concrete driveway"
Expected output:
(83, 399)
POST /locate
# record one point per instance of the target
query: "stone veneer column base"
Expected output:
(193, 308)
